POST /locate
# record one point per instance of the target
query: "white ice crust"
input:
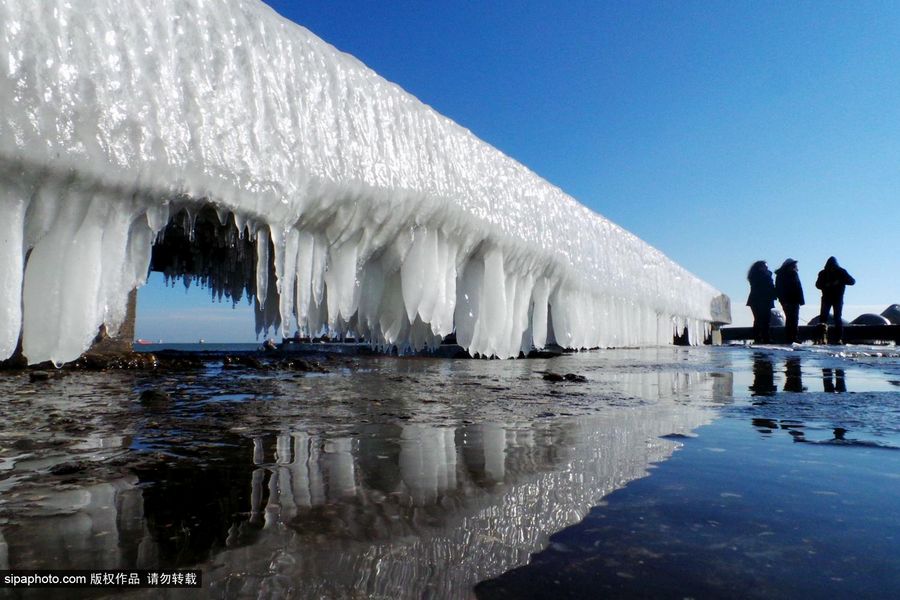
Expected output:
(386, 218)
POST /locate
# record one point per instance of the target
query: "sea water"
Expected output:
(650, 472)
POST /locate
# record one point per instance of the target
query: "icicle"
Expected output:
(262, 265)
(305, 251)
(413, 271)
(341, 282)
(12, 207)
(116, 273)
(42, 212)
(540, 295)
(62, 282)
(158, 216)
(222, 213)
(286, 279)
(371, 293)
(393, 321)
(493, 305)
(468, 302)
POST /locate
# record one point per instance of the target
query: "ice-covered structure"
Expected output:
(380, 215)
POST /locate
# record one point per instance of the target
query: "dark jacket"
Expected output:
(832, 280)
(762, 290)
(787, 286)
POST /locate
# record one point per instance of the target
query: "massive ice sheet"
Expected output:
(385, 218)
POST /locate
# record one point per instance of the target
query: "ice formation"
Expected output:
(381, 216)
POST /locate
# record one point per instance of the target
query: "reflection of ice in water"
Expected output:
(428, 504)
(469, 502)
(98, 526)
(427, 462)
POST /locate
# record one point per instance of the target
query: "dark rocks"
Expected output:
(67, 468)
(242, 360)
(299, 365)
(103, 361)
(23, 444)
(154, 398)
(249, 361)
(15, 362)
(182, 363)
(556, 377)
(97, 362)
(38, 376)
(174, 360)
(304, 366)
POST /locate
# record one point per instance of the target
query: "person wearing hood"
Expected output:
(832, 281)
(761, 299)
(790, 295)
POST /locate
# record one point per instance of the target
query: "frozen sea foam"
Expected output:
(381, 216)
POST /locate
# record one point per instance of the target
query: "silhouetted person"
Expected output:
(761, 299)
(832, 280)
(793, 377)
(790, 295)
(763, 376)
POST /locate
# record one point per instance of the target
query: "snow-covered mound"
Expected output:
(386, 218)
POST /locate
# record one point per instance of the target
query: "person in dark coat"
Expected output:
(832, 281)
(761, 299)
(790, 295)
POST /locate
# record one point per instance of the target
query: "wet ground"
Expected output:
(771, 473)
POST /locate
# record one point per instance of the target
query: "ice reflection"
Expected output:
(425, 510)
(419, 503)
(442, 509)
(99, 526)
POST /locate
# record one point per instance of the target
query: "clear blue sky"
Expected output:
(719, 132)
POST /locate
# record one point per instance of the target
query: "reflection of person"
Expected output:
(832, 281)
(761, 299)
(763, 376)
(790, 295)
(793, 378)
(836, 385)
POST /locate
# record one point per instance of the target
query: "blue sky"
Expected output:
(719, 132)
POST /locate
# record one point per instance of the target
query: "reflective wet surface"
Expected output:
(421, 478)
(791, 492)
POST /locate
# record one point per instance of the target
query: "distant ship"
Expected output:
(142, 342)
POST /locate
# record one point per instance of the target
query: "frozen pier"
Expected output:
(858, 334)
(347, 204)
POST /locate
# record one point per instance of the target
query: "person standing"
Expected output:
(790, 295)
(832, 281)
(761, 299)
